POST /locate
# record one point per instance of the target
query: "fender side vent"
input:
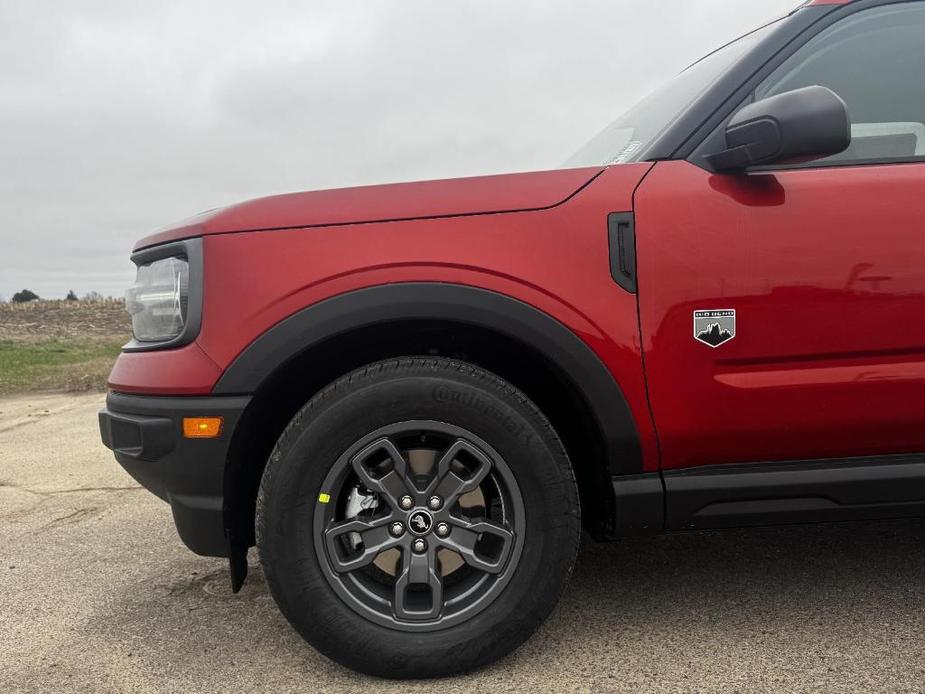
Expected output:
(622, 235)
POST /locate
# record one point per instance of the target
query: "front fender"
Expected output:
(460, 304)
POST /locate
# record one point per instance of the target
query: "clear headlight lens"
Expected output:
(159, 300)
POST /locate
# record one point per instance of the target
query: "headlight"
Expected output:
(165, 301)
(159, 300)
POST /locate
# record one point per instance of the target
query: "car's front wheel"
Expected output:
(418, 518)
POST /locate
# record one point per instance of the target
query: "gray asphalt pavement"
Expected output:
(98, 594)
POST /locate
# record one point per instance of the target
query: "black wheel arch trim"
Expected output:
(511, 317)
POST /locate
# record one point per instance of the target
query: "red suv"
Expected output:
(412, 398)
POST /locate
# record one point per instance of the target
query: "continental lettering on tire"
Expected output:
(714, 327)
(446, 394)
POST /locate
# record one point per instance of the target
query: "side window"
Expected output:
(875, 61)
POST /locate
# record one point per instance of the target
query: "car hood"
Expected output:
(385, 203)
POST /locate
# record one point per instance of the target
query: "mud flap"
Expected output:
(237, 565)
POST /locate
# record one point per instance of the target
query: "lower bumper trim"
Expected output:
(145, 434)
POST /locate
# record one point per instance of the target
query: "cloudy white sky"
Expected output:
(119, 116)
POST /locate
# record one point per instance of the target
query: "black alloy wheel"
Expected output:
(423, 527)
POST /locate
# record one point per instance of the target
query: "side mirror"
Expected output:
(807, 123)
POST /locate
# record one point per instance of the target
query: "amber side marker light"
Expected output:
(202, 427)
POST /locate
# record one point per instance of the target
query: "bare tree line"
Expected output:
(27, 295)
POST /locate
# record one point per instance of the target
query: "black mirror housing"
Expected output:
(811, 122)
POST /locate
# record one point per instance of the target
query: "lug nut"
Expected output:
(406, 502)
(397, 529)
(434, 503)
(419, 546)
(443, 529)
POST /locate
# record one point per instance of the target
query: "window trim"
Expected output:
(692, 125)
(693, 150)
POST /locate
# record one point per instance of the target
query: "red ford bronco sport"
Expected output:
(411, 398)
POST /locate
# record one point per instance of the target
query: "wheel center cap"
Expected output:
(420, 522)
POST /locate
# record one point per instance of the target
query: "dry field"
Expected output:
(60, 345)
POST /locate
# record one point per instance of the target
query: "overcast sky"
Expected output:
(119, 117)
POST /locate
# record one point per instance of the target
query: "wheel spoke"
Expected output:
(374, 534)
(394, 483)
(464, 538)
(450, 486)
(418, 570)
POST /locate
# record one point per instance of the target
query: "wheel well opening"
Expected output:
(296, 381)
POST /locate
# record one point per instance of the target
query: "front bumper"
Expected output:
(146, 435)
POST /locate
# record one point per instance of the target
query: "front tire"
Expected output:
(417, 518)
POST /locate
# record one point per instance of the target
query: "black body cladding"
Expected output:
(146, 435)
(464, 305)
(771, 493)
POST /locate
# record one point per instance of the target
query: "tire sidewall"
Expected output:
(327, 427)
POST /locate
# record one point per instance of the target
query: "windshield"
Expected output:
(627, 137)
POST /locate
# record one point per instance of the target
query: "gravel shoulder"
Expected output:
(97, 593)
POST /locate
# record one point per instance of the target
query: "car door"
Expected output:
(782, 311)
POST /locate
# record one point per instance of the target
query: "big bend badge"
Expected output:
(715, 327)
